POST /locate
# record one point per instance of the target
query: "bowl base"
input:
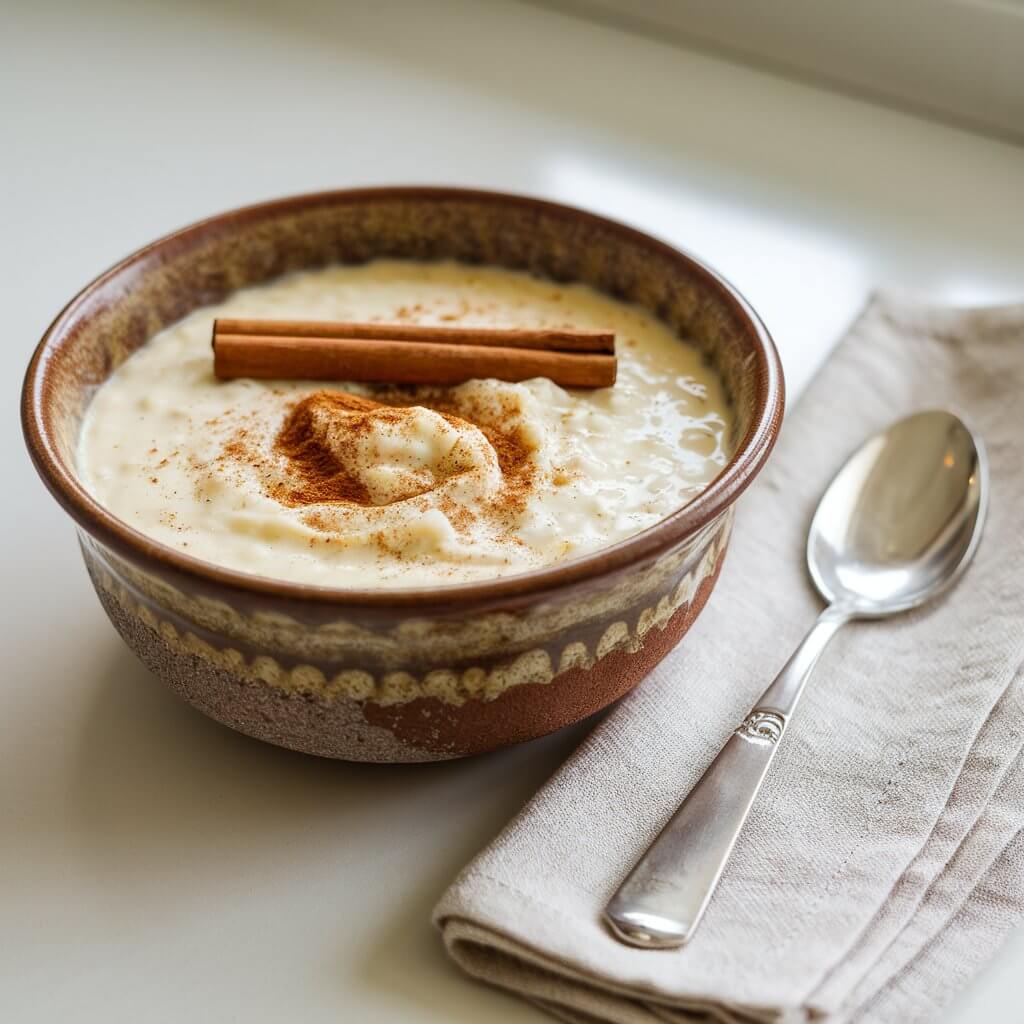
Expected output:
(424, 729)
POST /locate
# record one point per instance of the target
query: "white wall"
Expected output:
(958, 60)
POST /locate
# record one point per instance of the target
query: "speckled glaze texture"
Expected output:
(411, 675)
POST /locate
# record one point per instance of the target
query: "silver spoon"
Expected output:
(898, 524)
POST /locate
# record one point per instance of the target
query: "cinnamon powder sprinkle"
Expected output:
(315, 476)
(518, 469)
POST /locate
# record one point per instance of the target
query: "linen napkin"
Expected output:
(883, 861)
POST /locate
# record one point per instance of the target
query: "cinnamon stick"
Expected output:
(418, 355)
(554, 340)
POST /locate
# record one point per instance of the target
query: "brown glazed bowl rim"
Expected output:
(747, 460)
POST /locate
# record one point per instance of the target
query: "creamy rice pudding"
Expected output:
(367, 486)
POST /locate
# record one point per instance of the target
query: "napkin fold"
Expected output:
(883, 861)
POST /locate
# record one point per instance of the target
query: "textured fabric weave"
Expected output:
(884, 858)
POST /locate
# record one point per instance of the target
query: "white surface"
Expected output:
(156, 866)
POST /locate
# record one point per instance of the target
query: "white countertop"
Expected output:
(155, 866)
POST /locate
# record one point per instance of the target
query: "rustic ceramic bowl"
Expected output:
(412, 675)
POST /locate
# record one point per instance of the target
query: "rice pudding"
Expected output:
(368, 486)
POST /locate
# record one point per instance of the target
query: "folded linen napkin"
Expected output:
(884, 858)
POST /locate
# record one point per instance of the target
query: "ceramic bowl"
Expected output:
(413, 675)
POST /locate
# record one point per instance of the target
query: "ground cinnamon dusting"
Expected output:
(315, 476)
(518, 470)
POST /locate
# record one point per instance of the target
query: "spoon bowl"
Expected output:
(901, 519)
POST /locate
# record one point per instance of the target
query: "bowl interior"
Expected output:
(202, 264)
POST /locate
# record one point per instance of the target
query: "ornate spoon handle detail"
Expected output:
(663, 898)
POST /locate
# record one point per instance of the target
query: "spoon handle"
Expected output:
(663, 898)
